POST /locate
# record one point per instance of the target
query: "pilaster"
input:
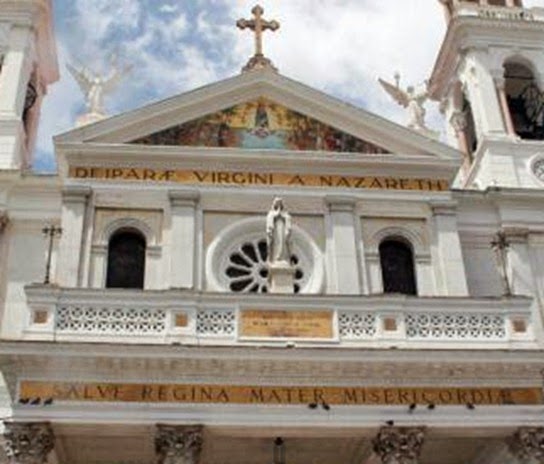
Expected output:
(74, 205)
(483, 94)
(450, 263)
(28, 443)
(16, 70)
(178, 444)
(342, 250)
(519, 271)
(183, 207)
(399, 445)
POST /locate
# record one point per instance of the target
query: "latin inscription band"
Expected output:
(259, 179)
(229, 394)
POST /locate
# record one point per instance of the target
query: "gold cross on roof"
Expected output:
(258, 25)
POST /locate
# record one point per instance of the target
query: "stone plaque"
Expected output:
(259, 323)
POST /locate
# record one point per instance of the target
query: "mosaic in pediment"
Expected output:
(260, 124)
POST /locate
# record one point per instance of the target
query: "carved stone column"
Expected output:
(178, 444)
(527, 444)
(28, 443)
(399, 445)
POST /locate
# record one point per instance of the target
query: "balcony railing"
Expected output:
(118, 316)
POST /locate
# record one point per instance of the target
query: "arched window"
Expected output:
(525, 101)
(397, 262)
(126, 260)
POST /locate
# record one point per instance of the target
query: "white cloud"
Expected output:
(338, 46)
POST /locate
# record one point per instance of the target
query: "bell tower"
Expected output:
(28, 66)
(489, 79)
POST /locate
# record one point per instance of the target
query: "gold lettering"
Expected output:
(296, 180)
(239, 178)
(343, 182)
(149, 174)
(132, 174)
(81, 173)
(201, 176)
(256, 395)
(275, 395)
(326, 181)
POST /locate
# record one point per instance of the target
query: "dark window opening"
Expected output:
(525, 101)
(397, 262)
(126, 260)
(470, 130)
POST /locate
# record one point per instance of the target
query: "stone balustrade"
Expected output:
(379, 321)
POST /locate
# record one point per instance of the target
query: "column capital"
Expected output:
(444, 208)
(28, 443)
(340, 203)
(399, 445)
(528, 444)
(183, 197)
(76, 194)
(178, 444)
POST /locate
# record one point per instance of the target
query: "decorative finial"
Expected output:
(258, 25)
(94, 86)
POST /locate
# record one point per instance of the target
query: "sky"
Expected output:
(340, 47)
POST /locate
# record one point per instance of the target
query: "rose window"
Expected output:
(247, 268)
(236, 260)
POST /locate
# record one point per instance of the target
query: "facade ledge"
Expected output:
(192, 318)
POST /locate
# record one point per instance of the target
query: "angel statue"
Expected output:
(95, 86)
(412, 100)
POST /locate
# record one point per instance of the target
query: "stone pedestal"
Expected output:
(89, 118)
(281, 277)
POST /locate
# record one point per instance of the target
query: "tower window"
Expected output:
(397, 262)
(525, 101)
(126, 260)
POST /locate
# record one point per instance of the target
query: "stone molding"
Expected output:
(399, 445)
(340, 203)
(76, 194)
(180, 198)
(178, 444)
(527, 444)
(28, 443)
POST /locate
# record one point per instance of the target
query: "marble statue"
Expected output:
(278, 234)
(412, 100)
(95, 86)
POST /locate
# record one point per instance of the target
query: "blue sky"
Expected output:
(338, 46)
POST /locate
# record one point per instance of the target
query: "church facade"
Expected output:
(255, 270)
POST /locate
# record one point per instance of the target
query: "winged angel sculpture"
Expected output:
(95, 86)
(412, 100)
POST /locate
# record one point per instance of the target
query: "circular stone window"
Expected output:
(236, 260)
(248, 270)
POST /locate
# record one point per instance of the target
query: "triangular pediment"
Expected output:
(261, 124)
(260, 110)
